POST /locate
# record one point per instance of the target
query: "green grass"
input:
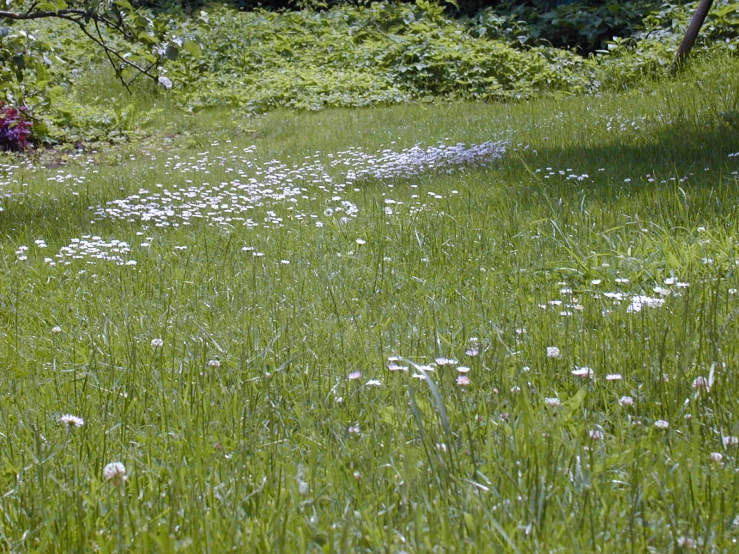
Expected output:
(262, 452)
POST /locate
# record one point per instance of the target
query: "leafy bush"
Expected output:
(351, 55)
(15, 128)
(354, 56)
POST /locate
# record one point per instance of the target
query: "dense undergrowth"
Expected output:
(354, 56)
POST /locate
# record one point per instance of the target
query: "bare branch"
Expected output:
(82, 18)
(67, 14)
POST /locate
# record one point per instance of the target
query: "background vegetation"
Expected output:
(345, 55)
(490, 308)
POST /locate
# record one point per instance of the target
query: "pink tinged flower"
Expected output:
(596, 435)
(553, 352)
(355, 375)
(700, 383)
(157, 343)
(626, 401)
(441, 362)
(662, 424)
(472, 352)
(71, 421)
(583, 372)
(552, 402)
(463, 369)
(395, 367)
(716, 457)
(214, 364)
(463, 380)
(115, 472)
(730, 441)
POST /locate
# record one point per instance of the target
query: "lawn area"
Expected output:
(445, 327)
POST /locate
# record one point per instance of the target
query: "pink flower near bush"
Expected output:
(15, 128)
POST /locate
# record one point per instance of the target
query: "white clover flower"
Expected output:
(395, 367)
(115, 472)
(730, 441)
(626, 401)
(445, 361)
(157, 343)
(583, 372)
(360, 242)
(553, 402)
(214, 364)
(614, 377)
(463, 369)
(373, 383)
(71, 421)
(353, 376)
(56, 329)
(596, 435)
(463, 380)
(716, 457)
(662, 424)
(553, 352)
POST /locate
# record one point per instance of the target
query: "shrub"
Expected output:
(15, 128)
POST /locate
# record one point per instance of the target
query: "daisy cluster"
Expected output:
(569, 302)
(232, 202)
(389, 164)
(250, 197)
(91, 247)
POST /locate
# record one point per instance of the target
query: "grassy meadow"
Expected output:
(342, 331)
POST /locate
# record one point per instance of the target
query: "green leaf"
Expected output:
(124, 4)
(192, 47)
(146, 37)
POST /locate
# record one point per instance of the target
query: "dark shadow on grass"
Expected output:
(698, 155)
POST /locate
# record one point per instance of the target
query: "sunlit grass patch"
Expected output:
(536, 352)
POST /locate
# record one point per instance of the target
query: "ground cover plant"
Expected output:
(346, 56)
(455, 327)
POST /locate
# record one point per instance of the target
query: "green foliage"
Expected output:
(358, 56)
(43, 46)
(349, 55)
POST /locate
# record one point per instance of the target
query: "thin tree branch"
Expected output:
(67, 14)
(691, 34)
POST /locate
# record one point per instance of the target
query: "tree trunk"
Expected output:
(692, 33)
